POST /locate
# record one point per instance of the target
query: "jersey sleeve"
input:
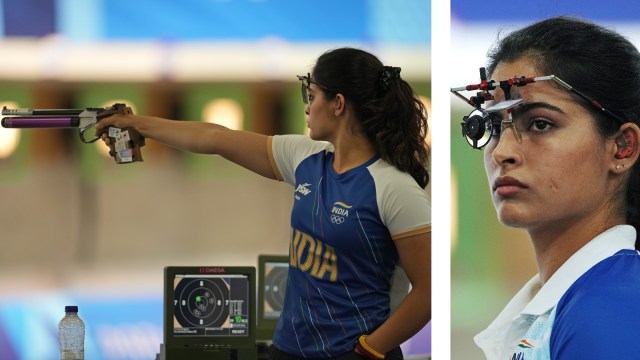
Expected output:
(599, 316)
(405, 208)
(286, 152)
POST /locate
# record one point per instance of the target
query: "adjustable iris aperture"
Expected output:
(478, 128)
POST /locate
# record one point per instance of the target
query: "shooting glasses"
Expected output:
(306, 82)
(483, 124)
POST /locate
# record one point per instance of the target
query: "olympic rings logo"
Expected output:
(337, 219)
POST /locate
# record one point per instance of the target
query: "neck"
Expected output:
(351, 150)
(554, 244)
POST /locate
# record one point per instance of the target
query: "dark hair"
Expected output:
(596, 61)
(392, 117)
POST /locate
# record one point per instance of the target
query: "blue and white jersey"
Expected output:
(342, 251)
(589, 309)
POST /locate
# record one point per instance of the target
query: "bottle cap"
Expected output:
(71, 308)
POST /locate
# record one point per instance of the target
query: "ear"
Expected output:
(625, 146)
(339, 105)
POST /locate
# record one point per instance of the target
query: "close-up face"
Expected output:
(543, 178)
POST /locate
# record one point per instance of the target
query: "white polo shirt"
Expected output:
(607, 271)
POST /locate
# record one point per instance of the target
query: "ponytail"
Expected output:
(390, 115)
(396, 123)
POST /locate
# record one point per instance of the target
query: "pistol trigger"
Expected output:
(82, 130)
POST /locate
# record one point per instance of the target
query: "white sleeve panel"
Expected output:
(404, 206)
(289, 151)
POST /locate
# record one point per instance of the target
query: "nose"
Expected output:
(306, 109)
(507, 151)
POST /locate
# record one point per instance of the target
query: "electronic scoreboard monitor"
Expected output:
(273, 271)
(209, 312)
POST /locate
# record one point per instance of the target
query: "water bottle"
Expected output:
(71, 335)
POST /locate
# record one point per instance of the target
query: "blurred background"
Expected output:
(491, 262)
(78, 229)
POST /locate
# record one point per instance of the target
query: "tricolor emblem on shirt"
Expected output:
(525, 344)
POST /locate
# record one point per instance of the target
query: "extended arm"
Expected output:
(244, 148)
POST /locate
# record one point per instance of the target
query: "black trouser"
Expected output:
(275, 354)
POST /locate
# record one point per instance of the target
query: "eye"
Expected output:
(540, 125)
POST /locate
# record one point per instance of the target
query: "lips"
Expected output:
(507, 185)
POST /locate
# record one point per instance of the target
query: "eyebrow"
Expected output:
(528, 106)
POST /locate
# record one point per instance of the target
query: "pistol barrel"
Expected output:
(40, 122)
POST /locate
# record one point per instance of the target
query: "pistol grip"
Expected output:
(125, 145)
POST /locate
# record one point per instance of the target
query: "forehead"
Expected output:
(538, 91)
(522, 64)
(313, 87)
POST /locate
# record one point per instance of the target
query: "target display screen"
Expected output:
(275, 283)
(211, 305)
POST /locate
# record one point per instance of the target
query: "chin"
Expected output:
(512, 222)
(510, 216)
(317, 137)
